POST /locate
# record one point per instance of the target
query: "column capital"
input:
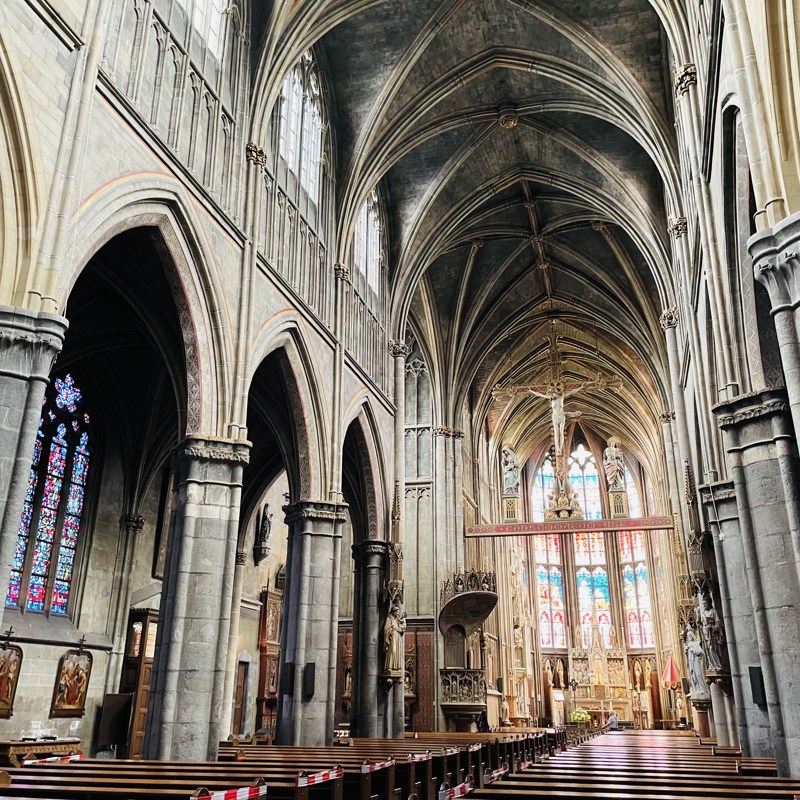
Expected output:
(685, 77)
(678, 226)
(399, 349)
(342, 272)
(29, 342)
(447, 432)
(254, 153)
(751, 407)
(776, 257)
(317, 511)
(669, 319)
(371, 552)
(213, 448)
(134, 523)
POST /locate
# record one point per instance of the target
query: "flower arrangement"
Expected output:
(580, 715)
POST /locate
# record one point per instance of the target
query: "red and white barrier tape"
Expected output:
(51, 759)
(245, 793)
(457, 791)
(491, 777)
(377, 766)
(319, 777)
(449, 751)
(426, 756)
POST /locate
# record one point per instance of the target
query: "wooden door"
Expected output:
(137, 672)
(239, 697)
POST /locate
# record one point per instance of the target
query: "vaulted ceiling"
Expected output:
(526, 151)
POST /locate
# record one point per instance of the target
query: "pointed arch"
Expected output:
(159, 203)
(282, 333)
(360, 422)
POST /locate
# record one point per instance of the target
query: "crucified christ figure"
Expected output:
(557, 392)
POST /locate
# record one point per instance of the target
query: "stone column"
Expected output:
(132, 526)
(311, 619)
(186, 702)
(776, 258)
(371, 558)
(757, 427)
(29, 344)
(233, 644)
(752, 722)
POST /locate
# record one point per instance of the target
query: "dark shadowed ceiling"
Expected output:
(526, 152)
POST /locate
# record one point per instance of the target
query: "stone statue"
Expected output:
(510, 472)
(713, 635)
(393, 632)
(260, 546)
(614, 465)
(505, 710)
(694, 664)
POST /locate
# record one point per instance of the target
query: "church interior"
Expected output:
(375, 370)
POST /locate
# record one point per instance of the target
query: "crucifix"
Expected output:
(557, 390)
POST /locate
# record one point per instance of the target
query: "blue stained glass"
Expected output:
(58, 602)
(68, 395)
(33, 479)
(60, 436)
(52, 492)
(75, 500)
(12, 597)
(36, 593)
(25, 520)
(69, 533)
(602, 597)
(629, 587)
(58, 460)
(51, 415)
(83, 444)
(556, 588)
(66, 557)
(47, 525)
(80, 469)
(19, 553)
(41, 558)
(37, 450)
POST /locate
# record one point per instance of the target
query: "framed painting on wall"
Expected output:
(10, 665)
(72, 684)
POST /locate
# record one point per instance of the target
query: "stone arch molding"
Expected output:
(282, 332)
(193, 279)
(19, 182)
(373, 463)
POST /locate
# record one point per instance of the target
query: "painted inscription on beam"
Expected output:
(568, 526)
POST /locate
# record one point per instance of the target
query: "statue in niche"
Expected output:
(637, 675)
(393, 632)
(559, 682)
(713, 635)
(614, 465)
(260, 547)
(693, 651)
(511, 469)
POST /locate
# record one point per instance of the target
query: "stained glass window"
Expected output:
(44, 557)
(636, 590)
(543, 488)
(300, 125)
(634, 503)
(585, 482)
(594, 595)
(550, 592)
(207, 22)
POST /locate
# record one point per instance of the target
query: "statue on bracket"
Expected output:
(511, 470)
(260, 547)
(393, 631)
(693, 651)
(713, 635)
(614, 465)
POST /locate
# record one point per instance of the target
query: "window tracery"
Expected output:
(44, 558)
(300, 129)
(207, 21)
(585, 481)
(550, 592)
(368, 247)
(636, 590)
